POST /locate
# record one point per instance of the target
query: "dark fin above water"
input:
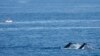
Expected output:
(68, 45)
(82, 46)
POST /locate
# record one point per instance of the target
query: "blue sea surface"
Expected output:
(46, 34)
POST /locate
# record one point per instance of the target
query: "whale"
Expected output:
(77, 46)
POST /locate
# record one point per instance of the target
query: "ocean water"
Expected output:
(46, 34)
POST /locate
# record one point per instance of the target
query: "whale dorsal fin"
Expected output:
(82, 46)
(68, 45)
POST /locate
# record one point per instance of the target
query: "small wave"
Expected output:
(51, 28)
(50, 21)
(29, 47)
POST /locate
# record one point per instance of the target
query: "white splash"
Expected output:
(75, 46)
(8, 21)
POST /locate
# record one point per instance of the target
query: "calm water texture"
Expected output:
(45, 34)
